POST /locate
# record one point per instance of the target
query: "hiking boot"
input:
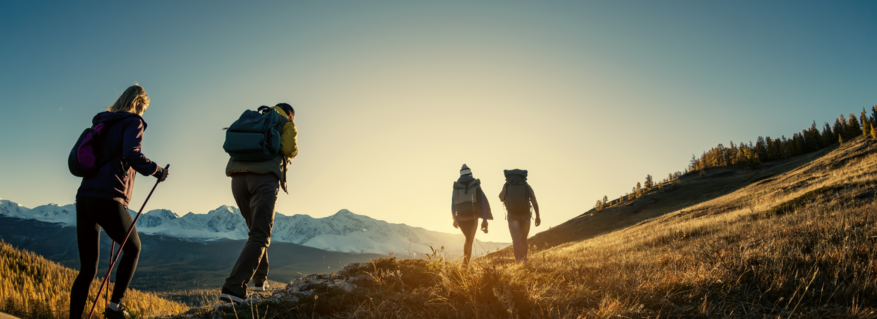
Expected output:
(231, 297)
(122, 313)
(261, 287)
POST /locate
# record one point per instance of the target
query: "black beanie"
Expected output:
(286, 107)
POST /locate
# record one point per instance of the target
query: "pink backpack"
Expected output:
(84, 159)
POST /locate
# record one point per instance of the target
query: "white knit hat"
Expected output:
(465, 170)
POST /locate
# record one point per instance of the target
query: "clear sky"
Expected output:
(393, 97)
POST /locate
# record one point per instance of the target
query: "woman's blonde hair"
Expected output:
(133, 100)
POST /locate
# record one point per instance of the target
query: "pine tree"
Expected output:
(853, 127)
(639, 190)
(827, 135)
(605, 199)
(873, 132)
(599, 205)
(866, 124)
(874, 115)
(752, 159)
(760, 148)
(649, 182)
(840, 126)
(840, 139)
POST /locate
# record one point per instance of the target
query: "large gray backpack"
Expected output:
(464, 198)
(517, 192)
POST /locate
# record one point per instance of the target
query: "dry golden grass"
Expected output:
(797, 244)
(33, 287)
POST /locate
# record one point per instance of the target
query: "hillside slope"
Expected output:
(792, 240)
(33, 287)
(689, 190)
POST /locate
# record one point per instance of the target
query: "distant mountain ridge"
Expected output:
(342, 232)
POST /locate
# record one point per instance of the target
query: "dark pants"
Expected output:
(256, 195)
(520, 229)
(92, 214)
(469, 228)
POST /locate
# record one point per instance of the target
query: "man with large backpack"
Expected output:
(517, 195)
(260, 145)
(469, 204)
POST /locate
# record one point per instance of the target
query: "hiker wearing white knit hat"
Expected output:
(468, 205)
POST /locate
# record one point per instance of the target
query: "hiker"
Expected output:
(102, 199)
(254, 185)
(469, 204)
(517, 196)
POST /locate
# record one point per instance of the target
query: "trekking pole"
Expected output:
(110, 265)
(113, 258)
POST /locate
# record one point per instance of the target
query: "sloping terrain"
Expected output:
(794, 239)
(33, 287)
(689, 190)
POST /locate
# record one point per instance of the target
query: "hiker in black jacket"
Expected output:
(518, 197)
(469, 204)
(102, 200)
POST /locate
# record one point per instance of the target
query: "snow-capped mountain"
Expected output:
(51, 213)
(342, 232)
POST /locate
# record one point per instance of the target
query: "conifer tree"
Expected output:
(840, 139)
(874, 115)
(639, 190)
(873, 132)
(866, 124)
(815, 138)
(752, 159)
(740, 158)
(605, 199)
(853, 127)
(827, 135)
(649, 182)
(599, 205)
(760, 148)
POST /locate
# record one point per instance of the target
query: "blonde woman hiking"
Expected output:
(102, 199)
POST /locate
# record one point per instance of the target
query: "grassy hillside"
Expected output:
(33, 287)
(686, 192)
(794, 239)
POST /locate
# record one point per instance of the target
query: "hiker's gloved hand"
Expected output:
(538, 221)
(484, 226)
(162, 174)
(456, 225)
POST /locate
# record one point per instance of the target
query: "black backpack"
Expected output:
(517, 192)
(465, 199)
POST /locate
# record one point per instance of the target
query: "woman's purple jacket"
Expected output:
(121, 149)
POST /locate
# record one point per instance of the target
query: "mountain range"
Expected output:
(342, 232)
